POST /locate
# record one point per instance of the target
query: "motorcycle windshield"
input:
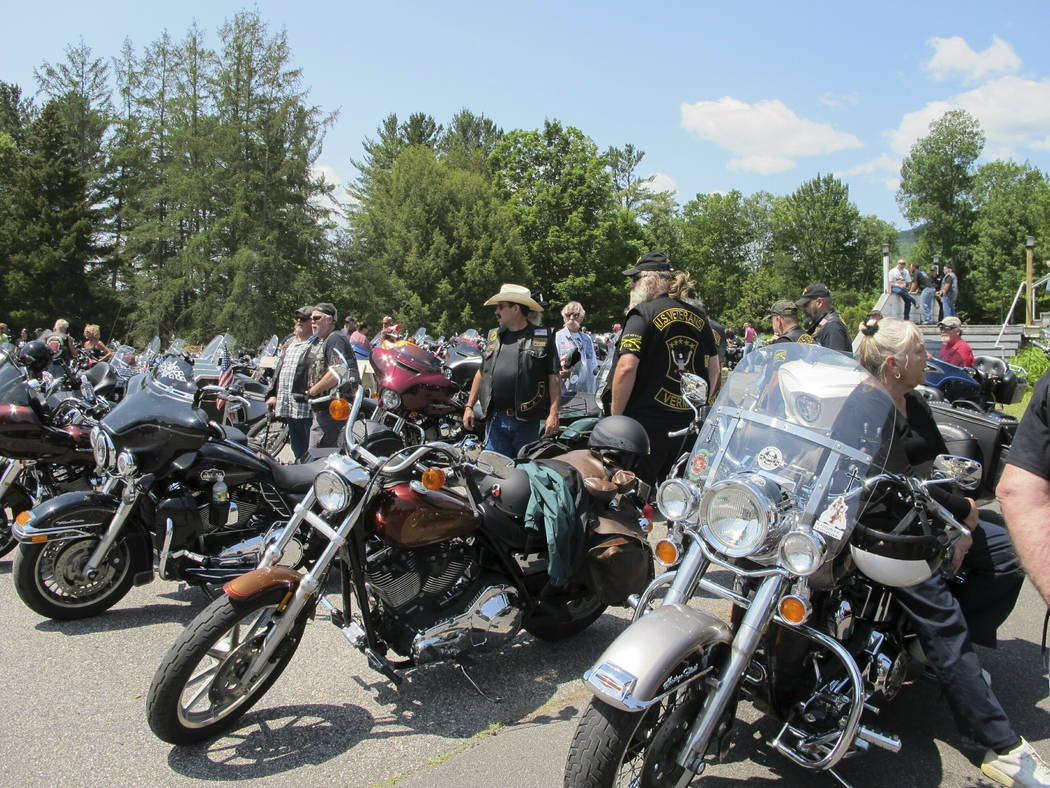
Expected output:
(12, 384)
(805, 424)
(407, 356)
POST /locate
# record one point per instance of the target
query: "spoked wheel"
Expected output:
(199, 689)
(269, 436)
(50, 579)
(620, 748)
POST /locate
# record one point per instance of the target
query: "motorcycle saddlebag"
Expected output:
(617, 562)
(990, 432)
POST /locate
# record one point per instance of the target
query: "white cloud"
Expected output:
(766, 136)
(840, 100)
(953, 56)
(882, 163)
(1014, 113)
(661, 182)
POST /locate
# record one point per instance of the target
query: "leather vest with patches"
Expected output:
(531, 397)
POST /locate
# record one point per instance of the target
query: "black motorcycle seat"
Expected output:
(991, 366)
(231, 433)
(295, 478)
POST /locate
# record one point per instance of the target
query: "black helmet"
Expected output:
(620, 437)
(35, 356)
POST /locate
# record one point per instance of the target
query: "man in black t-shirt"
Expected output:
(664, 336)
(517, 386)
(334, 349)
(1024, 489)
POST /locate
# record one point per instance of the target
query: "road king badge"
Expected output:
(770, 458)
(832, 521)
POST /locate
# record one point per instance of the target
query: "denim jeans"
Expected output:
(506, 434)
(906, 298)
(927, 304)
(948, 306)
(299, 436)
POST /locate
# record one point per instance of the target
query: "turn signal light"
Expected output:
(433, 478)
(794, 609)
(38, 538)
(668, 552)
(339, 409)
(23, 517)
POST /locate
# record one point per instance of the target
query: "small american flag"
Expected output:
(225, 372)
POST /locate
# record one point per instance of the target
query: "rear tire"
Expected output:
(49, 579)
(567, 619)
(194, 694)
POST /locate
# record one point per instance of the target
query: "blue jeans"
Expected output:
(927, 304)
(906, 298)
(299, 436)
(506, 434)
(948, 305)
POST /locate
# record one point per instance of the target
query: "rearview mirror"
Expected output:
(694, 389)
(963, 471)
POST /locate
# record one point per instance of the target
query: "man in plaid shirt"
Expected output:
(287, 395)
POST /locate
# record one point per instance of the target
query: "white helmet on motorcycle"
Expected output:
(901, 555)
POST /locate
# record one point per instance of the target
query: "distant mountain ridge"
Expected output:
(907, 239)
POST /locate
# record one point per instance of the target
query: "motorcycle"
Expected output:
(437, 570)
(45, 446)
(182, 489)
(779, 494)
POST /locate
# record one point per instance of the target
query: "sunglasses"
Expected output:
(573, 314)
(302, 320)
(318, 317)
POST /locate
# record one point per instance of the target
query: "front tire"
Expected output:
(14, 502)
(195, 692)
(49, 577)
(613, 747)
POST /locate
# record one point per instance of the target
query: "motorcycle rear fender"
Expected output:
(272, 583)
(646, 661)
(70, 515)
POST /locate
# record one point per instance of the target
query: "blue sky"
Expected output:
(762, 95)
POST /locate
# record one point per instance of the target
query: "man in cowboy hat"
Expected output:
(519, 372)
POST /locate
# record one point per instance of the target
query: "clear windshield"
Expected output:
(810, 420)
(213, 349)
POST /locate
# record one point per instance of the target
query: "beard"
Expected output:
(645, 290)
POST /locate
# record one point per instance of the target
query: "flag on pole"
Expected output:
(225, 372)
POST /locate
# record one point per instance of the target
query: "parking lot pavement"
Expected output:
(75, 711)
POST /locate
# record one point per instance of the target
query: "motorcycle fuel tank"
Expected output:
(409, 516)
(24, 436)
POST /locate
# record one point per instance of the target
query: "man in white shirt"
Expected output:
(899, 279)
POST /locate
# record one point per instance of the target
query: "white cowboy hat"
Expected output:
(515, 294)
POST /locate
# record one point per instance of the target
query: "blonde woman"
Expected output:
(94, 346)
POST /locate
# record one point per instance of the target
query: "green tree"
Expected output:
(631, 191)
(937, 179)
(1011, 201)
(717, 237)
(45, 231)
(468, 140)
(392, 137)
(442, 241)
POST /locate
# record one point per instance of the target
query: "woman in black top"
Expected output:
(950, 615)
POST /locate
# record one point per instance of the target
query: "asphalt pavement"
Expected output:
(75, 711)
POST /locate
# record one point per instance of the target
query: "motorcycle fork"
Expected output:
(11, 470)
(127, 503)
(746, 641)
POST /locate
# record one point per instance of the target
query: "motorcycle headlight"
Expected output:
(126, 464)
(391, 399)
(332, 492)
(736, 516)
(802, 552)
(676, 499)
(101, 448)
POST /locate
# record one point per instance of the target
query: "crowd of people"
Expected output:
(60, 341)
(930, 290)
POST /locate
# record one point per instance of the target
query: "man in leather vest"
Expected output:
(784, 317)
(665, 335)
(827, 327)
(519, 371)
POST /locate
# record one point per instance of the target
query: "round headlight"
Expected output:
(736, 516)
(391, 399)
(676, 499)
(100, 445)
(126, 464)
(332, 492)
(802, 552)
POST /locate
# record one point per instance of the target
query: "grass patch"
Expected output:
(1018, 410)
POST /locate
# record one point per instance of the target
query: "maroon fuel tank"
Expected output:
(25, 437)
(412, 518)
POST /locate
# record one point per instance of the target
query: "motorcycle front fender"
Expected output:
(655, 655)
(273, 583)
(70, 515)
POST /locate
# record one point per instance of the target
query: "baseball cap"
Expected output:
(815, 290)
(326, 308)
(651, 261)
(303, 311)
(950, 323)
(783, 308)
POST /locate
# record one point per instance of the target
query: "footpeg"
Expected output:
(886, 741)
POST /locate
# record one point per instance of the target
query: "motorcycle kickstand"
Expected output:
(462, 663)
(838, 777)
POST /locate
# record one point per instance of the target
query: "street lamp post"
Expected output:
(885, 268)
(1029, 303)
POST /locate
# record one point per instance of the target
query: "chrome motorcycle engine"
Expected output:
(436, 603)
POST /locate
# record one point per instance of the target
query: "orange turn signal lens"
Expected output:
(22, 518)
(38, 538)
(339, 409)
(433, 478)
(668, 552)
(794, 609)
